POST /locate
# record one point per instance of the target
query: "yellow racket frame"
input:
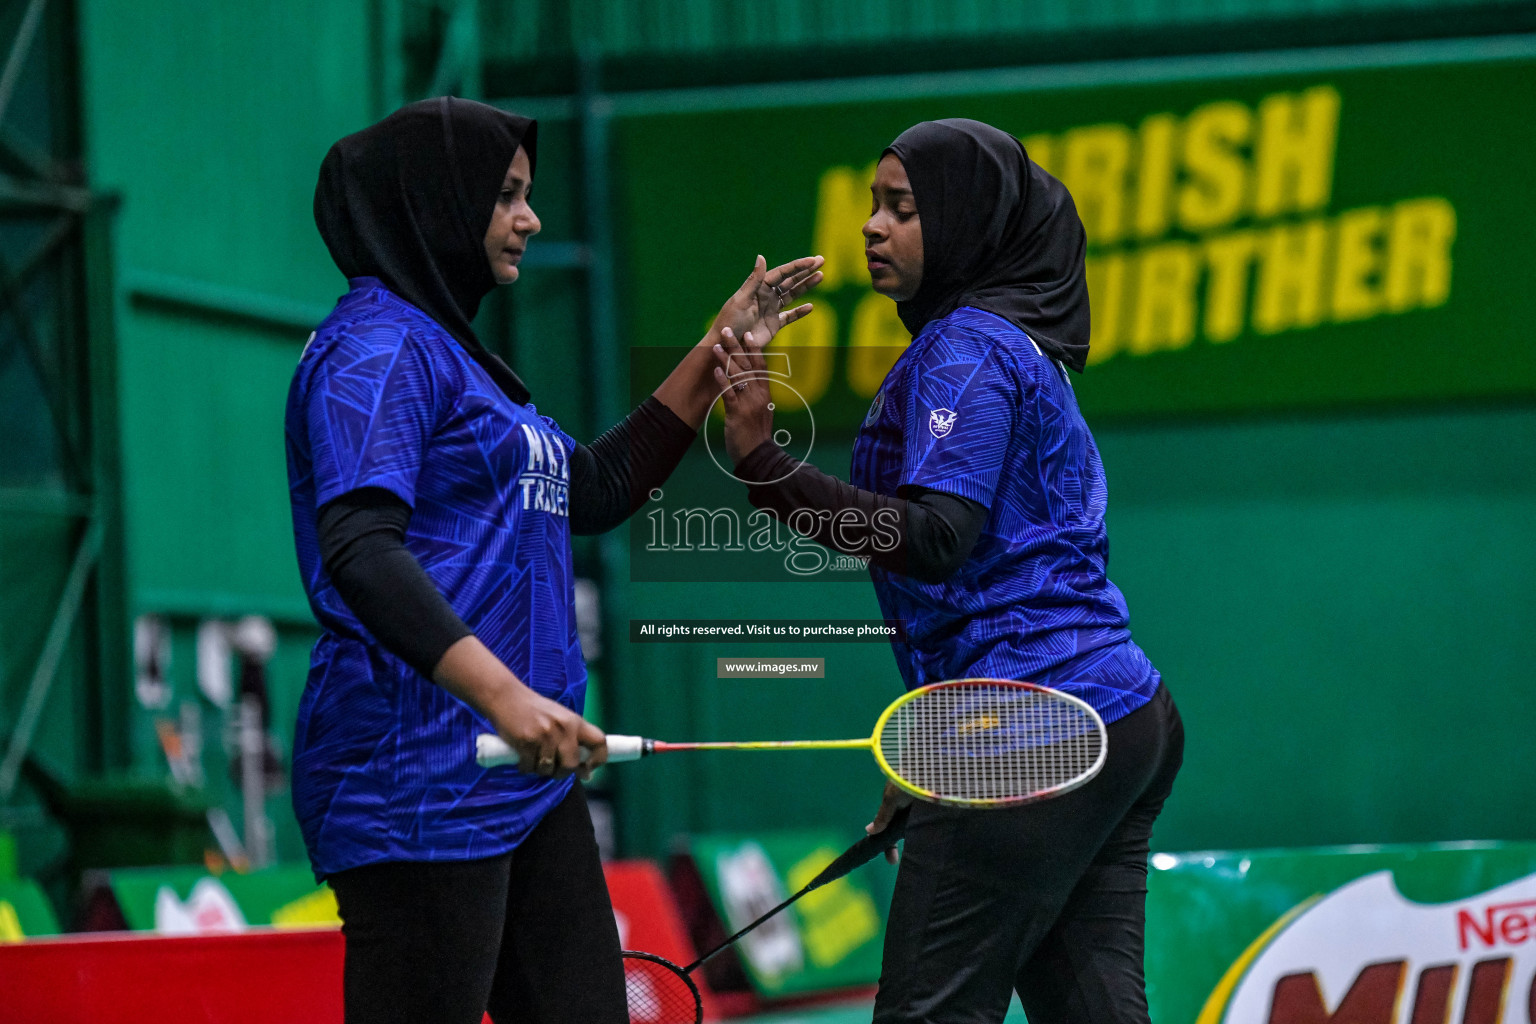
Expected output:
(923, 794)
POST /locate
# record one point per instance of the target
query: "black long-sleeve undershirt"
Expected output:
(362, 533)
(924, 534)
(613, 476)
(362, 546)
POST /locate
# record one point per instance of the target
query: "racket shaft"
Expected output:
(864, 744)
(860, 853)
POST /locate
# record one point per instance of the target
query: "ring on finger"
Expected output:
(779, 292)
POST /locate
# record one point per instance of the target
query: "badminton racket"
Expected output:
(661, 992)
(969, 743)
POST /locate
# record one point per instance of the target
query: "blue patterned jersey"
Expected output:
(383, 758)
(972, 408)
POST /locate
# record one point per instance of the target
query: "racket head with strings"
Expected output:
(986, 743)
(659, 991)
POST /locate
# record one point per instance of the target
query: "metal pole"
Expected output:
(18, 55)
(110, 688)
(596, 110)
(253, 783)
(48, 661)
(605, 350)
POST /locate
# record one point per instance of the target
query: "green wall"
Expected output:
(212, 125)
(1341, 604)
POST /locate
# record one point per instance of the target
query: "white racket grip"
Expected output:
(491, 750)
(625, 748)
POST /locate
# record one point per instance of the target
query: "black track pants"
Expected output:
(1047, 900)
(528, 936)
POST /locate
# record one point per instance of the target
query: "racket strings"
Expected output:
(980, 744)
(659, 992)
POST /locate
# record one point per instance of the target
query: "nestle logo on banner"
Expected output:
(1500, 924)
(1366, 954)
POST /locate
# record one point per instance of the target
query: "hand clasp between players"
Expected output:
(743, 378)
(746, 324)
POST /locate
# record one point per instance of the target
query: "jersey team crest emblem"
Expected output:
(871, 417)
(941, 421)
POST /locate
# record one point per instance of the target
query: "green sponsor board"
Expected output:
(1388, 935)
(189, 900)
(831, 938)
(1351, 232)
(24, 911)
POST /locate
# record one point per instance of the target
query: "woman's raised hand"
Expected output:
(743, 380)
(765, 302)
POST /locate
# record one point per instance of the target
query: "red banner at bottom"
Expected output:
(259, 976)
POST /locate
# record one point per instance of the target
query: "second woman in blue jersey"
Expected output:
(975, 449)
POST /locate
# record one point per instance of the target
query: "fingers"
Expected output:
(882, 816)
(741, 369)
(789, 316)
(538, 758)
(891, 801)
(723, 382)
(567, 754)
(730, 396)
(543, 757)
(737, 359)
(752, 350)
(730, 390)
(725, 351)
(754, 279)
(789, 272)
(592, 738)
(792, 280)
(745, 356)
(595, 745)
(550, 738)
(528, 756)
(799, 284)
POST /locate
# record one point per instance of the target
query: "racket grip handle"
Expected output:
(491, 750)
(863, 851)
(626, 748)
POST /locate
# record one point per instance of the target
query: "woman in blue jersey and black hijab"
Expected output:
(975, 449)
(433, 509)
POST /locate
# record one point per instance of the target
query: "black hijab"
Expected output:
(999, 234)
(409, 200)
